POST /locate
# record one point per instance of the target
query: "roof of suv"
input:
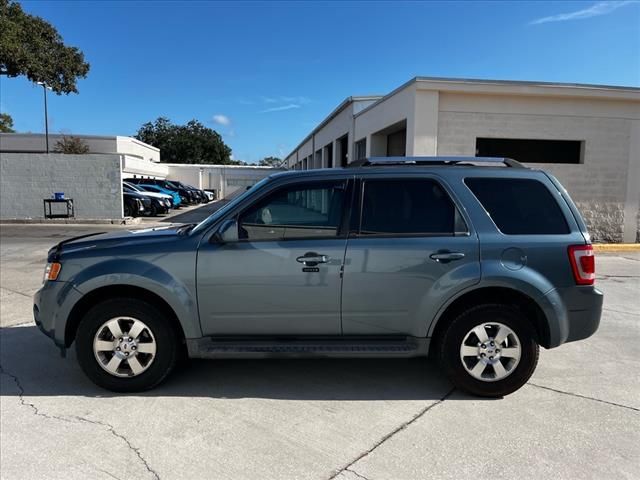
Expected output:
(396, 164)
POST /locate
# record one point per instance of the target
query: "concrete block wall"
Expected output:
(598, 186)
(93, 181)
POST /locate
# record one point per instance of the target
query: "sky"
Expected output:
(264, 74)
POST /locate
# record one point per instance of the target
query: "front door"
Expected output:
(283, 276)
(410, 252)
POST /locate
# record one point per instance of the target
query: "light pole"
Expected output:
(45, 87)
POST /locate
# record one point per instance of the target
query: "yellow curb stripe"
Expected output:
(616, 247)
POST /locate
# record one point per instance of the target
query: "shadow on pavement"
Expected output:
(31, 357)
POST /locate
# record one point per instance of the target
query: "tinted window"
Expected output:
(519, 206)
(408, 206)
(305, 211)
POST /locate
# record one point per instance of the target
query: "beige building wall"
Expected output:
(606, 148)
(446, 116)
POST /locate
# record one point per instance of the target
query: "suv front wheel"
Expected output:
(489, 350)
(126, 345)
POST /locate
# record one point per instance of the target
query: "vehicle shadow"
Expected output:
(31, 365)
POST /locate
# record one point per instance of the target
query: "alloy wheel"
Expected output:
(124, 347)
(490, 351)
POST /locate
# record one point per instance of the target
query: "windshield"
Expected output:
(223, 210)
(135, 188)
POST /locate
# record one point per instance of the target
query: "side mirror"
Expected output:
(227, 233)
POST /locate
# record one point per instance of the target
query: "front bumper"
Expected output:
(52, 305)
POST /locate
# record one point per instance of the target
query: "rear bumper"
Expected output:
(584, 313)
(572, 313)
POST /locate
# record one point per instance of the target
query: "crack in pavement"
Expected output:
(16, 292)
(30, 322)
(108, 473)
(355, 473)
(607, 277)
(402, 426)
(571, 394)
(620, 311)
(77, 419)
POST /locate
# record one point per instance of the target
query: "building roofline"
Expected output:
(525, 83)
(518, 87)
(341, 106)
(213, 165)
(84, 137)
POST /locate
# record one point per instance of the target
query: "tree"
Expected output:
(32, 47)
(6, 123)
(71, 145)
(270, 162)
(190, 143)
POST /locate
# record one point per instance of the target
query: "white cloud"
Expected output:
(221, 119)
(281, 108)
(600, 8)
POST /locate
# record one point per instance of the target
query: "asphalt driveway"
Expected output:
(579, 416)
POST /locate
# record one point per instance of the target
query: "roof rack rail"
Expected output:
(383, 161)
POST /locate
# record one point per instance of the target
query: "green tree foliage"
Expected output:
(6, 123)
(71, 145)
(32, 47)
(190, 143)
(270, 162)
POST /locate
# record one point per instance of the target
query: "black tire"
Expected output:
(154, 210)
(127, 210)
(452, 338)
(166, 338)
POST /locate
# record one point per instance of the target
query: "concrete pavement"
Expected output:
(579, 416)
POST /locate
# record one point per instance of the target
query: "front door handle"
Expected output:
(444, 257)
(311, 259)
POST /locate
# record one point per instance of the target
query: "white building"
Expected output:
(586, 135)
(94, 180)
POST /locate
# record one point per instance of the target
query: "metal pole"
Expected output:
(46, 117)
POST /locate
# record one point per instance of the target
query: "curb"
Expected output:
(72, 221)
(616, 247)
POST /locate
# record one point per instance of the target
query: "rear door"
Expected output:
(410, 249)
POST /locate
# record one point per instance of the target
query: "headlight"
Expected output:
(51, 271)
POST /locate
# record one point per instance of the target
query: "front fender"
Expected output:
(178, 293)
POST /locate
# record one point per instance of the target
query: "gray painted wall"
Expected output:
(93, 181)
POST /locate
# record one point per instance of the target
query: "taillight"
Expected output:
(583, 264)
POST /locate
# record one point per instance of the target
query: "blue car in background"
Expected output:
(155, 188)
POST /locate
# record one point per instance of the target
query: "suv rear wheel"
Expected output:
(489, 350)
(126, 345)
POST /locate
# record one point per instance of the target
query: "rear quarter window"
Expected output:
(519, 206)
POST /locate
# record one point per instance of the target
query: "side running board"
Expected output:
(265, 348)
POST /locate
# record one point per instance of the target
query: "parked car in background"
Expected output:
(160, 203)
(134, 204)
(187, 197)
(176, 200)
(199, 194)
(476, 263)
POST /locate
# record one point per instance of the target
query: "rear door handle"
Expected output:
(444, 257)
(311, 259)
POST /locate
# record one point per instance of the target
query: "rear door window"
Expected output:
(408, 207)
(519, 206)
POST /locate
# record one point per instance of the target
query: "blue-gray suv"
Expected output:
(475, 261)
